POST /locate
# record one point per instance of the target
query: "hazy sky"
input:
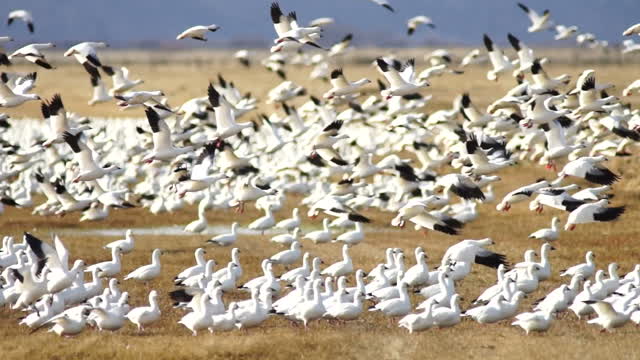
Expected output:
(125, 22)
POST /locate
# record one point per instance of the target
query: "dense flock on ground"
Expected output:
(337, 152)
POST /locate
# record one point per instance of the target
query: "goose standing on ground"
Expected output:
(149, 272)
(352, 237)
(340, 268)
(23, 15)
(320, 236)
(33, 53)
(290, 223)
(416, 21)
(125, 245)
(288, 257)
(535, 321)
(198, 32)
(586, 269)
(226, 239)
(145, 315)
(264, 223)
(400, 306)
(69, 324)
(108, 268)
(548, 234)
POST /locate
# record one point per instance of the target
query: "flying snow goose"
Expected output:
(500, 63)
(548, 234)
(12, 98)
(163, 148)
(120, 79)
(23, 15)
(198, 32)
(473, 57)
(589, 96)
(226, 125)
(149, 272)
(633, 87)
(525, 54)
(133, 98)
(634, 29)
(33, 53)
(341, 46)
(289, 31)
(521, 194)
(247, 190)
(538, 22)
(384, 4)
(226, 239)
(100, 94)
(145, 315)
(542, 81)
(86, 52)
(597, 211)
(89, 170)
(334, 205)
(565, 32)
(341, 86)
(414, 22)
(589, 168)
(400, 77)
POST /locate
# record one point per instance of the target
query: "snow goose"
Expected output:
(33, 283)
(263, 223)
(586, 269)
(347, 311)
(525, 54)
(419, 273)
(340, 268)
(12, 98)
(226, 321)
(320, 236)
(68, 323)
(310, 309)
(145, 315)
(288, 257)
(384, 4)
(538, 22)
(480, 162)
(100, 94)
(226, 125)
(548, 234)
(200, 318)
(420, 321)
(473, 57)
(200, 224)
(608, 318)
(447, 316)
(520, 194)
(290, 223)
(23, 15)
(59, 276)
(163, 149)
(395, 307)
(289, 31)
(536, 321)
(304, 270)
(120, 79)
(597, 211)
(149, 272)
(341, 86)
(589, 168)
(226, 239)
(198, 32)
(257, 313)
(633, 29)
(108, 268)
(542, 82)
(400, 77)
(470, 251)
(33, 53)
(589, 96)
(110, 319)
(414, 22)
(334, 205)
(287, 239)
(565, 32)
(353, 237)
(196, 269)
(499, 62)
(88, 170)
(199, 179)
(86, 53)
(247, 190)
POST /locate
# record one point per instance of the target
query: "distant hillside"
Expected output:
(152, 23)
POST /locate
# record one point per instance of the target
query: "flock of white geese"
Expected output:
(198, 153)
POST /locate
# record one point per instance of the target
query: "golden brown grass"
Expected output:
(372, 335)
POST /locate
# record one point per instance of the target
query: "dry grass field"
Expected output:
(372, 336)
